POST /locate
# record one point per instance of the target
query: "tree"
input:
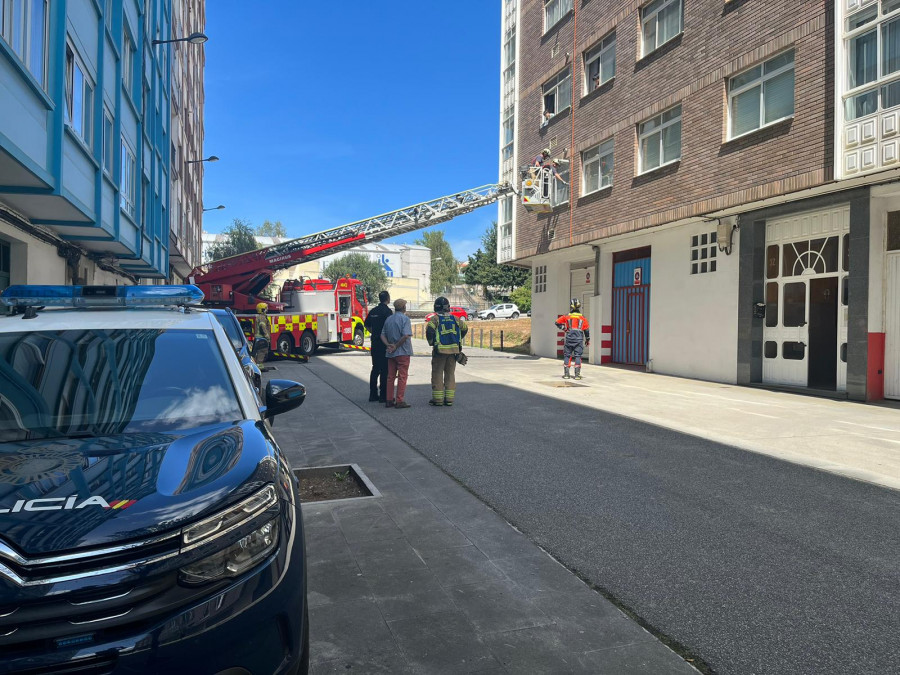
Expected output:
(522, 297)
(239, 238)
(444, 272)
(270, 229)
(368, 271)
(483, 268)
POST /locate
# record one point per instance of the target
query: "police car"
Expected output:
(149, 523)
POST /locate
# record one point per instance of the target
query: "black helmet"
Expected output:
(441, 304)
(575, 305)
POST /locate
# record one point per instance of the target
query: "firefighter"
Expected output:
(444, 333)
(263, 335)
(578, 335)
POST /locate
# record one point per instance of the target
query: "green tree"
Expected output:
(270, 229)
(496, 279)
(368, 271)
(522, 297)
(239, 238)
(444, 272)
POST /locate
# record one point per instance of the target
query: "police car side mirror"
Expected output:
(282, 396)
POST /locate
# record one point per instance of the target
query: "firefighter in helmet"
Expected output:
(578, 335)
(263, 335)
(445, 334)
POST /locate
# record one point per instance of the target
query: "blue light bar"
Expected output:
(101, 296)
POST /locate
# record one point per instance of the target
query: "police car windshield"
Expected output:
(101, 382)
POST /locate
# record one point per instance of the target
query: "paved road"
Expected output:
(754, 564)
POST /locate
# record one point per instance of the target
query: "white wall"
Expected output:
(32, 261)
(883, 200)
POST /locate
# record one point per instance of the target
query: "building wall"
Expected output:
(692, 70)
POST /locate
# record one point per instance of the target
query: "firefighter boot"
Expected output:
(449, 395)
(577, 372)
(566, 373)
(437, 397)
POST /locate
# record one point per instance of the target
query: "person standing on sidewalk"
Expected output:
(397, 339)
(578, 334)
(445, 334)
(374, 324)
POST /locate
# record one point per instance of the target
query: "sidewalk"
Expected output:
(427, 578)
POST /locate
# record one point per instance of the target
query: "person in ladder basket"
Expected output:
(578, 335)
(263, 335)
(445, 334)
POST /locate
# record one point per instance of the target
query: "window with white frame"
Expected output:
(108, 144)
(659, 140)
(600, 63)
(762, 95)
(703, 253)
(79, 97)
(128, 179)
(23, 26)
(559, 185)
(597, 167)
(540, 279)
(660, 22)
(554, 11)
(872, 40)
(509, 132)
(558, 93)
(128, 63)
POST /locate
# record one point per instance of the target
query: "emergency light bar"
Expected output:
(100, 296)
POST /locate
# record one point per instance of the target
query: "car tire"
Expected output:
(359, 337)
(285, 343)
(308, 343)
(489, 317)
(515, 315)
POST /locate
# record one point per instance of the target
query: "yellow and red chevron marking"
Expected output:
(293, 357)
(121, 503)
(352, 346)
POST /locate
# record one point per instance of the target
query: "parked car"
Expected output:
(458, 312)
(241, 347)
(149, 522)
(503, 311)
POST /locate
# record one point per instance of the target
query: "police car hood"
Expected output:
(62, 494)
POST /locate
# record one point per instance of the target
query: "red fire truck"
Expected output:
(313, 312)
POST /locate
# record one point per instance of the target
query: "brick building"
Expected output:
(705, 227)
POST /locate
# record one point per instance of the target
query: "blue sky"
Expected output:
(325, 113)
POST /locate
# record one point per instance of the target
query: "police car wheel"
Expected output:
(285, 344)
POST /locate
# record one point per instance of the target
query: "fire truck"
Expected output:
(314, 312)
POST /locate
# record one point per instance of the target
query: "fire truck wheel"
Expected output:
(285, 344)
(308, 343)
(359, 338)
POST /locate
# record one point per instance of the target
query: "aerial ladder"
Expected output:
(237, 281)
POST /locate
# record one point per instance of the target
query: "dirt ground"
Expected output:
(516, 334)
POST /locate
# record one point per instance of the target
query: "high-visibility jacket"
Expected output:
(445, 332)
(575, 324)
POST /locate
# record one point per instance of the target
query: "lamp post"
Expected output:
(211, 158)
(215, 208)
(193, 38)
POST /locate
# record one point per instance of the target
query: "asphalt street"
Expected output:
(754, 564)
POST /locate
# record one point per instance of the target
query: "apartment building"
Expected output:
(85, 140)
(723, 206)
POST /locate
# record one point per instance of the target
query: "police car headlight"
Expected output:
(237, 558)
(240, 555)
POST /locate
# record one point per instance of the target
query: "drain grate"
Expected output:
(562, 383)
(339, 482)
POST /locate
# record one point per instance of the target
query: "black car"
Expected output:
(149, 522)
(239, 341)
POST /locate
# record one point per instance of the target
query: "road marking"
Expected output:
(875, 438)
(869, 426)
(747, 412)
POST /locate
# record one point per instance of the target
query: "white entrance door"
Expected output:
(892, 328)
(805, 327)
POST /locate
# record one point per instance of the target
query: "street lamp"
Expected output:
(215, 208)
(211, 158)
(193, 38)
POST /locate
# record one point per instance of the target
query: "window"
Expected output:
(509, 132)
(600, 63)
(554, 11)
(23, 25)
(559, 191)
(107, 13)
(703, 253)
(128, 179)
(79, 97)
(660, 140)
(872, 39)
(145, 205)
(5, 264)
(893, 237)
(108, 145)
(660, 22)
(128, 64)
(597, 167)
(558, 93)
(540, 279)
(762, 95)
